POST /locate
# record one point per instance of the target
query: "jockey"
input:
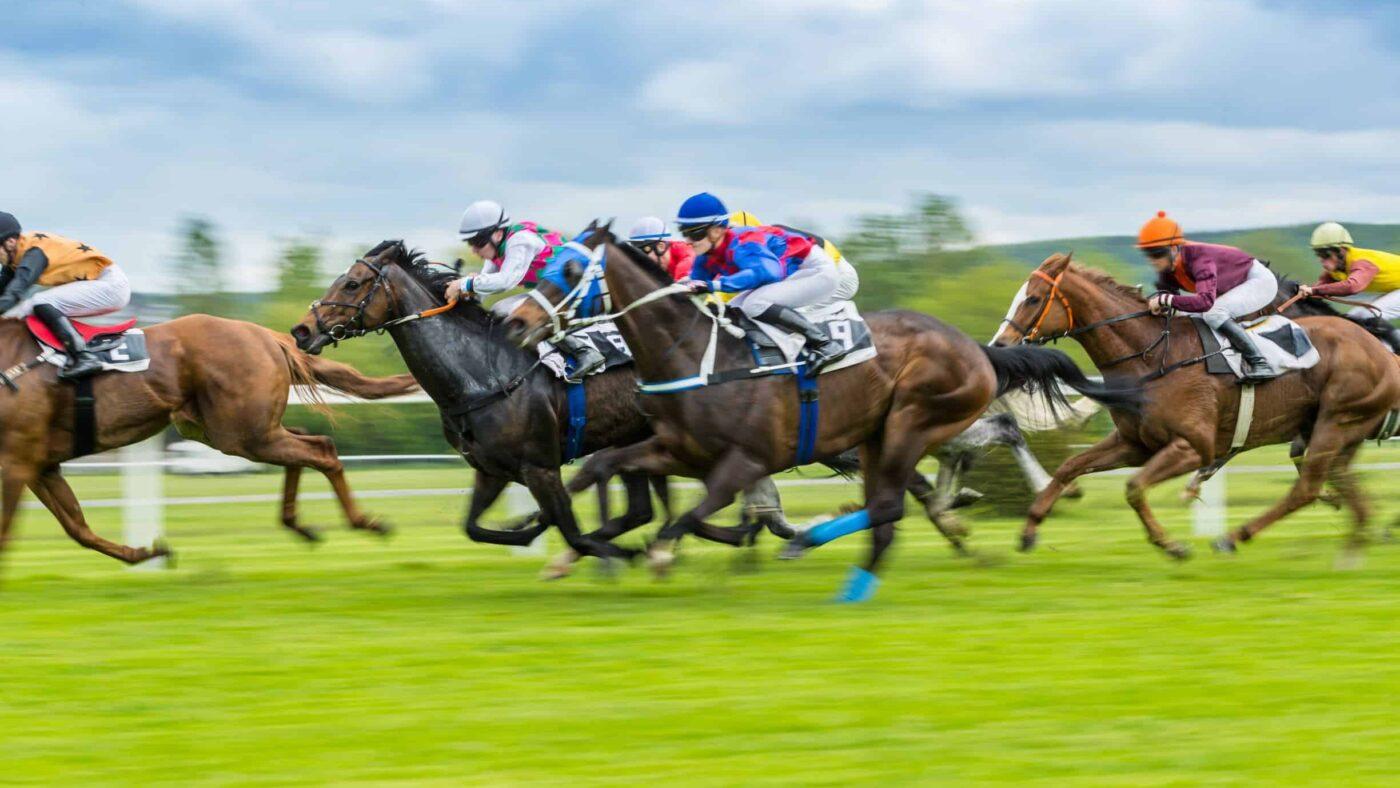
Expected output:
(513, 256)
(650, 236)
(775, 271)
(81, 282)
(1221, 283)
(1348, 271)
(847, 280)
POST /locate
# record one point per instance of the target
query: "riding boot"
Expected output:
(81, 361)
(587, 359)
(1381, 329)
(821, 349)
(1256, 367)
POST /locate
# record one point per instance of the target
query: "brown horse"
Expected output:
(1190, 421)
(223, 382)
(928, 383)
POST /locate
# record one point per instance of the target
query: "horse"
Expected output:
(1192, 417)
(927, 383)
(501, 408)
(222, 382)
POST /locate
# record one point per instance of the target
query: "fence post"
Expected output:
(1208, 514)
(519, 503)
(143, 491)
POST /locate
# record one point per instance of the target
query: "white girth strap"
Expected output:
(1245, 418)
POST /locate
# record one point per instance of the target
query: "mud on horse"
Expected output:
(1191, 416)
(501, 408)
(928, 383)
(222, 382)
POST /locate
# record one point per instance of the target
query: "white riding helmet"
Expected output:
(1330, 234)
(481, 216)
(648, 228)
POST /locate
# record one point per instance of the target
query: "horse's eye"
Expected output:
(1032, 300)
(352, 285)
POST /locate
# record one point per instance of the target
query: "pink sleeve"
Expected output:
(1362, 272)
(682, 259)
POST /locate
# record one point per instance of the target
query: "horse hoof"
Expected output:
(561, 567)
(376, 526)
(1028, 542)
(160, 549)
(1223, 544)
(1177, 550)
(659, 561)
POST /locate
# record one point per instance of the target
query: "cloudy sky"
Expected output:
(353, 120)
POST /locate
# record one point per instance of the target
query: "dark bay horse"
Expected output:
(928, 383)
(501, 409)
(1191, 418)
(222, 382)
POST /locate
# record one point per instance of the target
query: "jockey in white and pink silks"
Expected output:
(513, 254)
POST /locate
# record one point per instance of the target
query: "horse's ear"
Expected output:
(1057, 263)
(606, 227)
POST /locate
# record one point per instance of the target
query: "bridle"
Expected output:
(1033, 334)
(355, 327)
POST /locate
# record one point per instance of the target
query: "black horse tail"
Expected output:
(846, 464)
(1040, 370)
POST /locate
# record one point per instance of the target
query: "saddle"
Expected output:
(774, 347)
(1284, 343)
(120, 347)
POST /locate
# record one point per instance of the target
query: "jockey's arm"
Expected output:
(520, 250)
(1358, 279)
(1204, 297)
(30, 268)
(757, 265)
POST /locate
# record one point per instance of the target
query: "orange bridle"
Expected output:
(1050, 298)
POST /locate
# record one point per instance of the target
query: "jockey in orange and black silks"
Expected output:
(80, 282)
(774, 270)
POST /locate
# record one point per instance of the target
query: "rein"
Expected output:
(356, 327)
(1334, 299)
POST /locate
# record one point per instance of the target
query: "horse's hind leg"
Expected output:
(53, 491)
(294, 447)
(1173, 460)
(937, 500)
(291, 480)
(1343, 479)
(1327, 441)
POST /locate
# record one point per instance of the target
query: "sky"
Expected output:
(350, 121)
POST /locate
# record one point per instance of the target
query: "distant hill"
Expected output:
(1286, 248)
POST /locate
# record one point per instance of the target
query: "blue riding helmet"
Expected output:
(702, 210)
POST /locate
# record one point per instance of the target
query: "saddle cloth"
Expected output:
(1284, 343)
(120, 347)
(773, 346)
(603, 336)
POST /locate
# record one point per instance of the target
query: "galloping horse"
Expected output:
(501, 408)
(222, 382)
(1192, 417)
(928, 383)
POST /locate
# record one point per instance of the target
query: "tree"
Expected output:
(299, 267)
(895, 252)
(199, 267)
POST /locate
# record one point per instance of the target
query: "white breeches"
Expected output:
(109, 292)
(1252, 295)
(1388, 303)
(815, 282)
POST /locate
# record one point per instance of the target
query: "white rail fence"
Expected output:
(143, 466)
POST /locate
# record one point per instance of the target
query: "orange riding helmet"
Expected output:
(1160, 231)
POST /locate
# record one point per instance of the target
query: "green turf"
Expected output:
(425, 658)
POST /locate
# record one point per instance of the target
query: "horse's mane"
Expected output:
(434, 277)
(602, 233)
(1104, 280)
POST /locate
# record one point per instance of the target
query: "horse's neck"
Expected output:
(452, 355)
(665, 337)
(1093, 303)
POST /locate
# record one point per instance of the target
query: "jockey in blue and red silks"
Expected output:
(774, 270)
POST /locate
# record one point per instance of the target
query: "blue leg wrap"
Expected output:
(860, 586)
(844, 525)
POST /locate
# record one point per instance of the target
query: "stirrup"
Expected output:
(81, 366)
(817, 359)
(584, 370)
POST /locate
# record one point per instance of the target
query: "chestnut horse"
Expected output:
(1190, 421)
(222, 382)
(928, 383)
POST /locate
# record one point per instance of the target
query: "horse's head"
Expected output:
(562, 290)
(1039, 308)
(359, 300)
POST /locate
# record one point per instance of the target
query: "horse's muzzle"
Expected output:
(307, 341)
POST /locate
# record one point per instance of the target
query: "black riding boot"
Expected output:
(1382, 329)
(587, 359)
(821, 349)
(81, 361)
(1256, 367)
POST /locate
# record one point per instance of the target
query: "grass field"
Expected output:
(426, 658)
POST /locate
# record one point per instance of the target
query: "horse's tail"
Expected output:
(1040, 370)
(308, 371)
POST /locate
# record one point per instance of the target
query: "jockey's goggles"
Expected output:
(696, 232)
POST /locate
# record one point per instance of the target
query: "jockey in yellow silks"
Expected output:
(1349, 271)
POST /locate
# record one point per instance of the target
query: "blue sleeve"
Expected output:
(757, 265)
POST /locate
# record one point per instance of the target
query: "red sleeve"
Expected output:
(681, 260)
(1204, 273)
(1362, 272)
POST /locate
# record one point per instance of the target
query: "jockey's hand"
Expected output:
(697, 285)
(1160, 304)
(456, 287)
(1305, 291)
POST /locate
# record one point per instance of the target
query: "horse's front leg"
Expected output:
(53, 491)
(1109, 453)
(735, 471)
(485, 490)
